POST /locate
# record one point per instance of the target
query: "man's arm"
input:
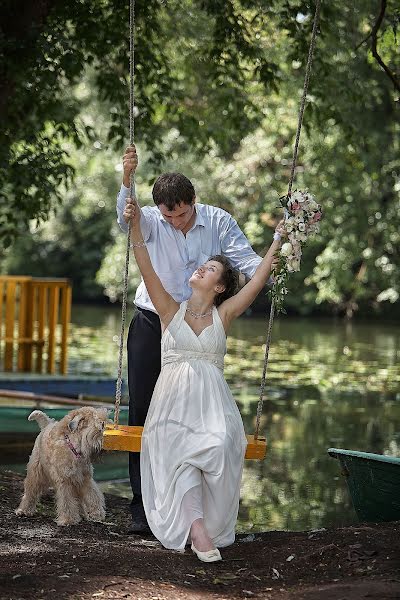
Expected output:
(122, 197)
(236, 247)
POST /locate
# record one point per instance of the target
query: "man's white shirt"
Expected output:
(175, 256)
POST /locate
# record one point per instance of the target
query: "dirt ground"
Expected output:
(100, 561)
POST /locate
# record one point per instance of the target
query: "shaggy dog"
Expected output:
(61, 458)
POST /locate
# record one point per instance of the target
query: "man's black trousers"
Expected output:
(144, 365)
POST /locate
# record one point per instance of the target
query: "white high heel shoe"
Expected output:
(209, 556)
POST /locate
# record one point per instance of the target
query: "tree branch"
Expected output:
(374, 43)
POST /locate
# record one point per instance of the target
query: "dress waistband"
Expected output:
(172, 356)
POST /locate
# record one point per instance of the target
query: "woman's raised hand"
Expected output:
(280, 228)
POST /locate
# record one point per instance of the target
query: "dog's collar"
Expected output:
(72, 447)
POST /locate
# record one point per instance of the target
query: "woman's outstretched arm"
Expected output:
(236, 305)
(164, 303)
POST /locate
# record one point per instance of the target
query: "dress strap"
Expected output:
(181, 312)
(218, 321)
(178, 317)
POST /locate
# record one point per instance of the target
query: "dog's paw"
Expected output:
(23, 513)
(97, 517)
(63, 522)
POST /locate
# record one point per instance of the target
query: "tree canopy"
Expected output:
(217, 92)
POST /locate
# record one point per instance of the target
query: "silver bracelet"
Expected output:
(277, 236)
(141, 244)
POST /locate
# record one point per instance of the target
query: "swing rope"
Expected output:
(292, 175)
(132, 184)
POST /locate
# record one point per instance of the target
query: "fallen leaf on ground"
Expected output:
(275, 573)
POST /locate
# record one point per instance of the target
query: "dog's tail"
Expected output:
(41, 418)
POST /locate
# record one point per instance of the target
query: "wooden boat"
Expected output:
(17, 434)
(373, 481)
(16, 406)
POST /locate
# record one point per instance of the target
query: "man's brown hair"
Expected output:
(172, 189)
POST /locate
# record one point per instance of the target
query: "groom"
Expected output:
(180, 235)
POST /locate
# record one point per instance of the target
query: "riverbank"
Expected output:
(40, 560)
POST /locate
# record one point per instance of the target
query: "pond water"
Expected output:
(329, 383)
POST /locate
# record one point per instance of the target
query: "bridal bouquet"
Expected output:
(302, 214)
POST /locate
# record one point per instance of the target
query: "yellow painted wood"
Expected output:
(256, 449)
(126, 438)
(33, 306)
(65, 320)
(15, 278)
(21, 327)
(53, 319)
(30, 310)
(25, 326)
(1, 304)
(1, 313)
(10, 316)
(129, 439)
(2, 285)
(41, 321)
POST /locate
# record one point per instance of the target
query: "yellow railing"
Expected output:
(31, 311)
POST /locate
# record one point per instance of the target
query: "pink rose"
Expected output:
(317, 217)
(294, 206)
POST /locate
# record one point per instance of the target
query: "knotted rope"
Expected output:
(292, 175)
(132, 187)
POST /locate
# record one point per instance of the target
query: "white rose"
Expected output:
(298, 197)
(289, 228)
(300, 236)
(301, 197)
(301, 227)
(312, 205)
(287, 249)
(296, 247)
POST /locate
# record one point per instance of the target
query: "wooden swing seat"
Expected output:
(129, 439)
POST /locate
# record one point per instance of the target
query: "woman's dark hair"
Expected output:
(229, 279)
(172, 189)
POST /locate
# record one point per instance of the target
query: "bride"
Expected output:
(193, 442)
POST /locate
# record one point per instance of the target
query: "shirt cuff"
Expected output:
(125, 191)
(121, 201)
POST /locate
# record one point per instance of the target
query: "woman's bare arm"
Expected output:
(236, 305)
(164, 303)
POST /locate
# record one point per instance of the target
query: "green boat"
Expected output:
(17, 434)
(374, 483)
(16, 406)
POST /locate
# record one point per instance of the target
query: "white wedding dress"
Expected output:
(193, 442)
